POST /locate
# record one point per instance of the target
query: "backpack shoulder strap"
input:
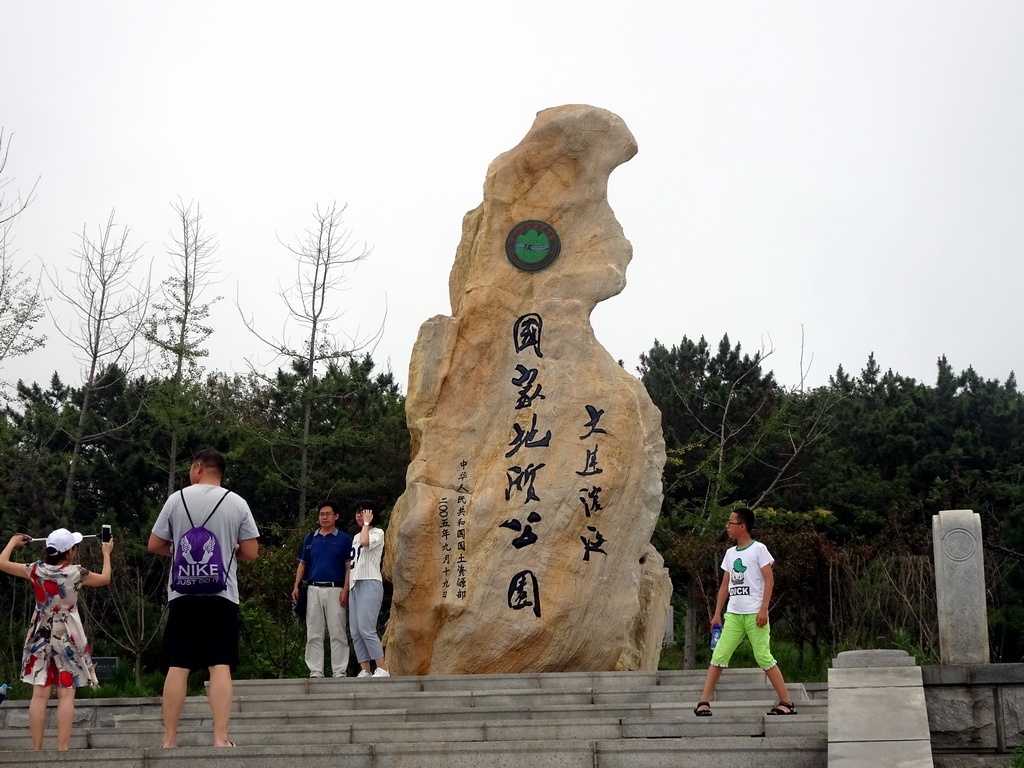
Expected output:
(213, 510)
(181, 492)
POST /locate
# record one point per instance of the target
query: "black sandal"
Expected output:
(703, 712)
(790, 708)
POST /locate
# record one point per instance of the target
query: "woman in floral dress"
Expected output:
(57, 651)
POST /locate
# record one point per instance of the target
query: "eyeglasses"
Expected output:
(733, 523)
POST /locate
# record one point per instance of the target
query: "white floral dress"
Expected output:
(57, 651)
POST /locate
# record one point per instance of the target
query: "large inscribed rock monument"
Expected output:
(522, 541)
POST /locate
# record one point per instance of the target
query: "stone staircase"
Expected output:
(563, 720)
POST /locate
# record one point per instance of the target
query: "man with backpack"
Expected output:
(324, 561)
(204, 530)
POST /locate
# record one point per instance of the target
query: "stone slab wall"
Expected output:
(974, 710)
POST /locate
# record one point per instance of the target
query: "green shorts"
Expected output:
(736, 627)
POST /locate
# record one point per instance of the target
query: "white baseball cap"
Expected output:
(62, 540)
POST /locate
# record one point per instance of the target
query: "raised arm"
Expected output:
(102, 578)
(6, 564)
(364, 529)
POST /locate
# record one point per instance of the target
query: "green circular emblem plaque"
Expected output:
(532, 245)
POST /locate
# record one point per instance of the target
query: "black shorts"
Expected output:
(201, 632)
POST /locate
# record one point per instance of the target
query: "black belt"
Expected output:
(325, 583)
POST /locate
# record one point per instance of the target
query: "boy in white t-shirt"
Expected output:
(747, 583)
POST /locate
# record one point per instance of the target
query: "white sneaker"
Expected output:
(378, 672)
(363, 673)
(315, 675)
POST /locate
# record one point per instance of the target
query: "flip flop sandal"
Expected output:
(702, 712)
(777, 710)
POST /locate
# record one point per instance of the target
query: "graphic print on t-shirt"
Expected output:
(738, 579)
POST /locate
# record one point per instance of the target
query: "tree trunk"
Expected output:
(172, 461)
(76, 453)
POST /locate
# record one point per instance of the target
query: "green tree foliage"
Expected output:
(273, 638)
(358, 445)
(846, 479)
(360, 451)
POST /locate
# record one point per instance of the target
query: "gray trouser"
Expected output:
(324, 610)
(364, 599)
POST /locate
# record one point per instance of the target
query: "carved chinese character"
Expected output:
(519, 478)
(590, 500)
(527, 535)
(595, 416)
(590, 466)
(528, 437)
(593, 545)
(526, 333)
(527, 392)
(523, 592)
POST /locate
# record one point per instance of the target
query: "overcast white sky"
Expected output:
(852, 169)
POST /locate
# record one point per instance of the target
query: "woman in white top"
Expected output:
(367, 592)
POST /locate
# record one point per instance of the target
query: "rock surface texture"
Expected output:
(522, 541)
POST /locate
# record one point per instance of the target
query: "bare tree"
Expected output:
(178, 326)
(21, 303)
(110, 308)
(128, 613)
(320, 253)
(9, 209)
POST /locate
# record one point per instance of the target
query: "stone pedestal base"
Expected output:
(877, 712)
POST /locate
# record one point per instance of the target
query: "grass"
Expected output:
(121, 686)
(798, 665)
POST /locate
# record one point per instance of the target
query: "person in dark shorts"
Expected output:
(202, 629)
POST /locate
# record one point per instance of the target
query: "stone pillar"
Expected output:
(960, 587)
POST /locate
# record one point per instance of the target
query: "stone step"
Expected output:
(658, 725)
(604, 681)
(124, 713)
(437, 711)
(344, 701)
(632, 720)
(698, 752)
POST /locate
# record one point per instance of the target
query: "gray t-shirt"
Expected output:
(231, 523)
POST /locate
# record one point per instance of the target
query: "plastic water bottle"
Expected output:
(716, 632)
(3, 692)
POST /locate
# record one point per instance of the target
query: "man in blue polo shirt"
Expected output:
(324, 563)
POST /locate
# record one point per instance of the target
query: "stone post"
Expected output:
(960, 587)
